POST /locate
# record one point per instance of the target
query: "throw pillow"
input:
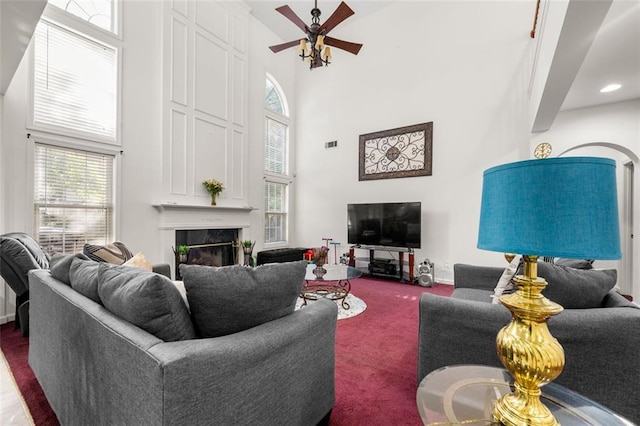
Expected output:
(574, 263)
(61, 263)
(576, 288)
(139, 261)
(83, 277)
(505, 286)
(145, 299)
(230, 299)
(115, 253)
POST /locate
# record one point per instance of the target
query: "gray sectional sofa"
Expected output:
(99, 369)
(598, 329)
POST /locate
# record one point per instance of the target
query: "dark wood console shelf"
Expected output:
(400, 263)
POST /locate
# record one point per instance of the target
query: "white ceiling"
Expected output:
(614, 55)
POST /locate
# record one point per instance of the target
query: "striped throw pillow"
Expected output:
(115, 253)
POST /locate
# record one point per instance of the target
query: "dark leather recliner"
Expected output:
(20, 253)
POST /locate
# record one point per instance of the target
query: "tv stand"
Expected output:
(372, 260)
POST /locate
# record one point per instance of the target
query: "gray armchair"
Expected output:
(601, 344)
(20, 253)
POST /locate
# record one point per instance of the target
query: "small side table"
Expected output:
(333, 284)
(465, 394)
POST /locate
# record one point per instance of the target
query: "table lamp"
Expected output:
(556, 207)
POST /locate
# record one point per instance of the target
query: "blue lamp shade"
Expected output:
(556, 207)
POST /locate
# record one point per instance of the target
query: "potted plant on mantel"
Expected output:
(183, 251)
(214, 188)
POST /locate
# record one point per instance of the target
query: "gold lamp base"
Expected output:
(528, 351)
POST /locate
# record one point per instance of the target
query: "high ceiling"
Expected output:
(613, 57)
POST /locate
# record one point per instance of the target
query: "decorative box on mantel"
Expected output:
(175, 217)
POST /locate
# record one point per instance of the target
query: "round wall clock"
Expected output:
(542, 150)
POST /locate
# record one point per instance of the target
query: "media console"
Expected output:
(386, 267)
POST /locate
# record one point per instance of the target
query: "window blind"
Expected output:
(275, 203)
(73, 198)
(275, 146)
(75, 82)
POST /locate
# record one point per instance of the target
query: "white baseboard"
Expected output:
(7, 318)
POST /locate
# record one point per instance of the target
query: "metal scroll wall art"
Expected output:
(396, 153)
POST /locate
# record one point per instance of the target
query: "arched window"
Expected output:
(276, 164)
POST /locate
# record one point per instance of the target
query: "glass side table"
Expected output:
(332, 283)
(465, 394)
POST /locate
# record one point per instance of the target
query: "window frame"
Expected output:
(285, 214)
(273, 177)
(34, 139)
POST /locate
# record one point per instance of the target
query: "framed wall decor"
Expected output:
(396, 153)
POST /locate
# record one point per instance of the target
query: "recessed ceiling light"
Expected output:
(610, 88)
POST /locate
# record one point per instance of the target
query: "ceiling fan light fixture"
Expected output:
(326, 55)
(315, 47)
(610, 88)
(303, 46)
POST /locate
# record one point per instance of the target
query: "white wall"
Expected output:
(140, 163)
(7, 297)
(14, 167)
(613, 131)
(462, 65)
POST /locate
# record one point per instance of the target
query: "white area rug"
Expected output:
(356, 306)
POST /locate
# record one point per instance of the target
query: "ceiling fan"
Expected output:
(315, 47)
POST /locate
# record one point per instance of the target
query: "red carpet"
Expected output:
(16, 349)
(377, 356)
(376, 359)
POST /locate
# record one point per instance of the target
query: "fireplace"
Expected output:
(209, 247)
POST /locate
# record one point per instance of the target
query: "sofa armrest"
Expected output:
(601, 355)
(162, 269)
(478, 277)
(287, 363)
(457, 331)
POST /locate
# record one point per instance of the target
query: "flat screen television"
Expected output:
(384, 224)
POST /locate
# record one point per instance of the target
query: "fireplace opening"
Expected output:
(209, 247)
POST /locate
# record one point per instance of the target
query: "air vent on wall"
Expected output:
(331, 144)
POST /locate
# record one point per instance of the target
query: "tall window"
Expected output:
(75, 93)
(73, 198)
(276, 135)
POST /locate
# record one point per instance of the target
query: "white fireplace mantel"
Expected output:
(171, 206)
(197, 216)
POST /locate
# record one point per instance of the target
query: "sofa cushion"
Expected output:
(115, 253)
(576, 288)
(574, 263)
(230, 299)
(83, 277)
(475, 294)
(145, 299)
(60, 264)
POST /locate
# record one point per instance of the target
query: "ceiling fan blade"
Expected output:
(278, 47)
(340, 14)
(344, 45)
(291, 15)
